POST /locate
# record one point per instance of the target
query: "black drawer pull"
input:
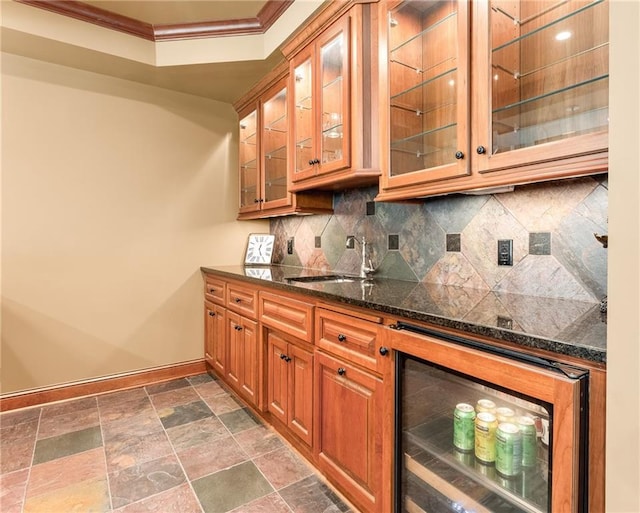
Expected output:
(342, 371)
(342, 337)
(384, 351)
(212, 314)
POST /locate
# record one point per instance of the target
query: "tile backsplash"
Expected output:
(453, 240)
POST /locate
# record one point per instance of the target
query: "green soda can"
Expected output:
(485, 437)
(508, 449)
(463, 427)
(527, 428)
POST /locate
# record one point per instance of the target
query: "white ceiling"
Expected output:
(199, 67)
(181, 11)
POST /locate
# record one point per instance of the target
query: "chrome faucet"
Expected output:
(366, 271)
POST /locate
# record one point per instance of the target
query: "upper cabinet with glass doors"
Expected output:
(265, 156)
(537, 100)
(330, 77)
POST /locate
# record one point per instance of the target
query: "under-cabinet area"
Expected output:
(403, 415)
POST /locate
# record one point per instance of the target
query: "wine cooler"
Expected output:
(485, 429)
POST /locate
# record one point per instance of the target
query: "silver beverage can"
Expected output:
(463, 427)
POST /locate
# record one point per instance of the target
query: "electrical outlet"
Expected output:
(505, 252)
(504, 322)
(290, 246)
(351, 242)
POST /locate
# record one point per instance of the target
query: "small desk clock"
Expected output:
(259, 248)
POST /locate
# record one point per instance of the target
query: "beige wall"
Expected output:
(113, 195)
(623, 336)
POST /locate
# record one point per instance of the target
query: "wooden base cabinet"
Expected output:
(243, 358)
(215, 337)
(290, 385)
(348, 427)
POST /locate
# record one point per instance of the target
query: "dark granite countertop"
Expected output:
(562, 326)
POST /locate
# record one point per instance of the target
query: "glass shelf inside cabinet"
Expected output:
(549, 65)
(423, 85)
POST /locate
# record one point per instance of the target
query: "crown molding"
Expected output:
(267, 16)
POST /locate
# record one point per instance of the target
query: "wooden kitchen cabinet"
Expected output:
(290, 385)
(265, 154)
(244, 357)
(215, 352)
(491, 93)
(332, 79)
(348, 429)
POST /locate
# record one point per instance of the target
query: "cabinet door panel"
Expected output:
(427, 92)
(249, 163)
(234, 349)
(215, 336)
(275, 147)
(250, 361)
(348, 428)
(300, 400)
(333, 108)
(302, 73)
(278, 375)
(547, 81)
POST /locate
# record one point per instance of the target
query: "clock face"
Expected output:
(259, 249)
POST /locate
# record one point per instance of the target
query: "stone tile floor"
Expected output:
(183, 446)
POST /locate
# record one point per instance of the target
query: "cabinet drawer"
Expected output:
(214, 289)
(347, 336)
(242, 299)
(288, 315)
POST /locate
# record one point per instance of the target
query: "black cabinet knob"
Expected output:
(238, 300)
(238, 328)
(283, 356)
(342, 337)
(212, 314)
(212, 290)
(311, 162)
(481, 150)
(287, 359)
(384, 351)
(342, 371)
(459, 155)
(256, 200)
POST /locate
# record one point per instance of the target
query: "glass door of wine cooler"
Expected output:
(465, 443)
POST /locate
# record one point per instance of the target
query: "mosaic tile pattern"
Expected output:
(568, 212)
(226, 463)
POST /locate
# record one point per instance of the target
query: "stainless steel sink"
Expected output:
(326, 278)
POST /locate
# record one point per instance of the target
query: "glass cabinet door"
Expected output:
(467, 446)
(303, 111)
(428, 90)
(275, 147)
(249, 183)
(334, 90)
(548, 79)
(321, 101)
